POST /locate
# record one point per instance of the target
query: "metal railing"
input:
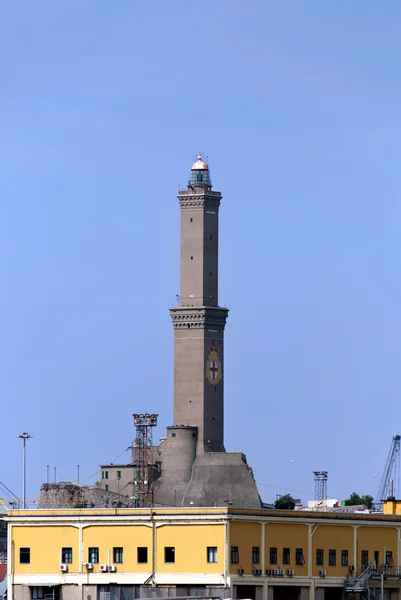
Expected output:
(373, 572)
(365, 575)
(360, 582)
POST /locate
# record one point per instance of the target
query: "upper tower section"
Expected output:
(199, 238)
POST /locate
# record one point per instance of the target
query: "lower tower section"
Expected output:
(199, 373)
(208, 479)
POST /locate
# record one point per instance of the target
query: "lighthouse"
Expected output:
(199, 321)
(194, 468)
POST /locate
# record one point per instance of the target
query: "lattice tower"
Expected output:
(320, 478)
(142, 459)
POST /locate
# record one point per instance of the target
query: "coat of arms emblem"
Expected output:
(213, 366)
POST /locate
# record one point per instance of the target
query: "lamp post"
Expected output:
(24, 436)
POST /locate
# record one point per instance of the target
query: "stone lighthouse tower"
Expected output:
(198, 321)
(194, 467)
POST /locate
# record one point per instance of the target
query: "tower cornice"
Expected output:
(199, 198)
(202, 317)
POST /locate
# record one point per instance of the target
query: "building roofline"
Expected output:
(186, 513)
(123, 465)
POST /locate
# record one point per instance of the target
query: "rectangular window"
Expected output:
(106, 474)
(299, 556)
(118, 474)
(118, 555)
(273, 556)
(255, 555)
(286, 556)
(37, 593)
(93, 555)
(319, 557)
(106, 487)
(377, 557)
(344, 558)
(234, 554)
(66, 555)
(364, 558)
(102, 474)
(142, 554)
(389, 558)
(169, 554)
(212, 554)
(25, 556)
(332, 558)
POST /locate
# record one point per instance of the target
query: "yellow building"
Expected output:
(123, 554)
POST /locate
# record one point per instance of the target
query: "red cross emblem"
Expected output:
(213, 366)
(214, 369)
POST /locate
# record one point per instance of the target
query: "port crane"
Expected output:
(390, 481)
(13, 499)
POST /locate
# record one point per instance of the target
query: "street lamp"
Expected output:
(24, 436)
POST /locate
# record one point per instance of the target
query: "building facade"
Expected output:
(124, 554)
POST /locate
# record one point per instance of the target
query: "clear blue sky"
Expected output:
(297, 104)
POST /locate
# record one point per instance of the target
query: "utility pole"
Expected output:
(24, 437)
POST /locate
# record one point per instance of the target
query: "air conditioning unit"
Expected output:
(257, 572)
(323, 573)
(89, 566)
(112, 568)
(103, 568)
(63, 568)
(241, 571)
(291, 572)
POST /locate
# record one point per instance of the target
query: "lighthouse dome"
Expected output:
(200, 176)
(200, 164)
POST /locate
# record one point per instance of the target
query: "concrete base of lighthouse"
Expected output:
(209, 479)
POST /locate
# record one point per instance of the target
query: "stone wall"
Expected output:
(71, 495)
